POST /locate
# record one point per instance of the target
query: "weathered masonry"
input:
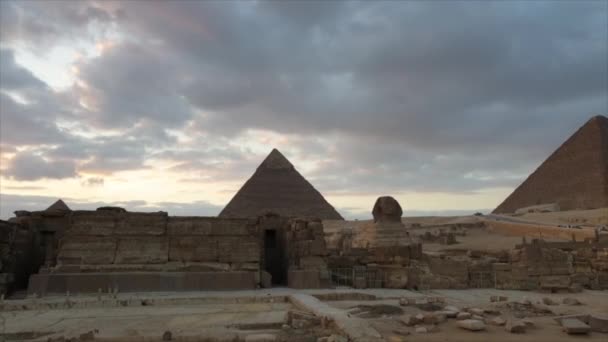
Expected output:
(128, 251)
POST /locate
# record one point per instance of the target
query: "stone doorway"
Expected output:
(274, 259)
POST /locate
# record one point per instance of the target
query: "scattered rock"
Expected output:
(575, 326)
(167, 336)
(421, 330)
(515, 326)
(89, 336)
(493, 299)
(491, 311)
(402, 332)
(529, 323)
(463, 315)
(503, 298)
(599, 323)
(476, 311)
(403, 301)
(395, 338)
(499, 321)
(263, 338)
(447, 314)
(433, 329)
(337, 338)
(451, 308)
(440, 317)
(301, 323)
(549, 301)
(285, 327)
(571, 301)
(322, 339)
(477, 317)
(471, 324)
(409, 320)
(419, 317)
(429, 318)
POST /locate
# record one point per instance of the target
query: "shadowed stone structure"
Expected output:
(277, 187)
(575, 176)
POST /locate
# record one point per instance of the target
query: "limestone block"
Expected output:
(318, 247)
(555, 282)
(238, 249)
(575, 326)
(92, 223)
(515, 326)
(93, 250)
(396, 278)
(409, 320)
(189, 226)
(313, 262)
(463, 316)
(499, 321)
(230, 227)
(193, 248)
(571, 301)
(598, 323)
(142, 250)
(303, 279)
(471, 324)
(266, 280)
(141, 224)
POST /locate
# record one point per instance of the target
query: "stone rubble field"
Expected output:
(338, 315)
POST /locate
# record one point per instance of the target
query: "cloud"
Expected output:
(371, 96)
(13, 202)
(26, 166)
(93, 182)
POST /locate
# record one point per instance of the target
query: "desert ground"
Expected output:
(283, 314)
(339, 314)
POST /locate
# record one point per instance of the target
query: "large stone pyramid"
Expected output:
(277, 187)
(575, 176)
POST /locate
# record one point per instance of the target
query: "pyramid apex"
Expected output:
(276, 160)
(598, 119)
(59, 205)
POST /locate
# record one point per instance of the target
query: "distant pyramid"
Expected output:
(58, 206)
(277, 187)
(575, 176)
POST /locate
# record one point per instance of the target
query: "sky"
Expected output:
(171, 105)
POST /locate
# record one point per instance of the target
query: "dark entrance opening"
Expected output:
(274, 262)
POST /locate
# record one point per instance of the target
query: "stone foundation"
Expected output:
(74, 283)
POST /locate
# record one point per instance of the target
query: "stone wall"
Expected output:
(567, 265)
(306, 254)
(380, 254)
(17, 256)
(127, 241)
(542, 265)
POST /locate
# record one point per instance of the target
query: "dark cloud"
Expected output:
(438, 96)
(14, 77)
(46, 23)
(28, 167)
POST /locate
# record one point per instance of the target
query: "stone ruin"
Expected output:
(111, 249)
(58, 250)
(89, 251)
